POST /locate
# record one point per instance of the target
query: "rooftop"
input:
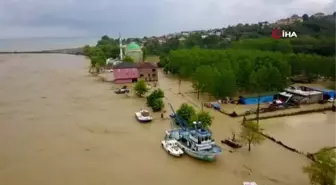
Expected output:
(133, 46)
(125, 65)
(146, 65)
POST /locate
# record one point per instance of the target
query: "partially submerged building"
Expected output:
(147, 71)
(303, 94)
(126, 72)
(253, 99)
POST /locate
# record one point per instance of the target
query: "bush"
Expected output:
(156, 94)
(187, 113)
(157, 105)
(140, 88)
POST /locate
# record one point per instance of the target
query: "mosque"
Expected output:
(132, 50)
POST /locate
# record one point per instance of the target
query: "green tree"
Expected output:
(187, 113)
(157, 105)
(156, 94)
(128, 59)
(322, 170)
(202, 79)
(140, 88)
(205, 118)
(144, 53)
(96, 63)
(250, 134)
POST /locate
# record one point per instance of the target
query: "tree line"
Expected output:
(315, 36)
(225, 72)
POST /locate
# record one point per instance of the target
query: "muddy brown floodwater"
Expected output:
(59, 126)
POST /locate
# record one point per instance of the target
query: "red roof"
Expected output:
(146, 65)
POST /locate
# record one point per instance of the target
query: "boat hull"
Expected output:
(144, 121)
(198, 155)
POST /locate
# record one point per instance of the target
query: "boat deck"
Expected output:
(176, 134)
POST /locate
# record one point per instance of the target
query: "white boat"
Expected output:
(171, 146)
(143, 116)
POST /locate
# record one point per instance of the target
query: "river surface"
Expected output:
(60, 126)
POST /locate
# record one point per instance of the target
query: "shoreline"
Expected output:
(70, 51)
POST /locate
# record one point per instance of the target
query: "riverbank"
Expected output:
(70, 51)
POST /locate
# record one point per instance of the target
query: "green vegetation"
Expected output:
(225, 72)
(106, 48)
(157, 105)
(250, 134)
(322, 170)
(315, 36)
(205, 118)
(128, 59)
(155, 101)
(140, 88)
(188, 113)
(245, 59)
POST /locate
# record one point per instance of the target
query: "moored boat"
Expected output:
(171, 146)
(143, 116)
(195, 141)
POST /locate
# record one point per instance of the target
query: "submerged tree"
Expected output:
(140, 88)
(157, 105)
(187, 113)
(205, 118)
(250, 134)
(156, 94)
(322, 170)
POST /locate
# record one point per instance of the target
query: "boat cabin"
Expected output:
(144, 113)
(198, 139)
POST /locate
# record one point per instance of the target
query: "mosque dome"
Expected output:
(133, 46)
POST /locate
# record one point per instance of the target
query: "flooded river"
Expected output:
(306, 133)
(60, 126)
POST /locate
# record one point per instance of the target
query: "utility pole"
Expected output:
(258, 108)
(333, 108)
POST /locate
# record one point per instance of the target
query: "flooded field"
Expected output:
(60, 126)
(306, 133)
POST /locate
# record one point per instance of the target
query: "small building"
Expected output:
(305, 95)
(110, 63)
(318, 15)
(327, 93)
(253, 99)
(134, 51)
(125, 72)
(147, 71)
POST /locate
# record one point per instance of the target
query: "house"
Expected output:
(295, 18)
(304, 94)
(318, 15)
(147, 71)
(110, 63)
(125, 72)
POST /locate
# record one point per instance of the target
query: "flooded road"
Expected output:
(60, 126)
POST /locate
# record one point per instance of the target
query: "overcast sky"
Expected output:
(52, 18)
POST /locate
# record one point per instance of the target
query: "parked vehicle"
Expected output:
(122, 91)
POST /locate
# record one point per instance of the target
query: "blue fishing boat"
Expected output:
(194, 141)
